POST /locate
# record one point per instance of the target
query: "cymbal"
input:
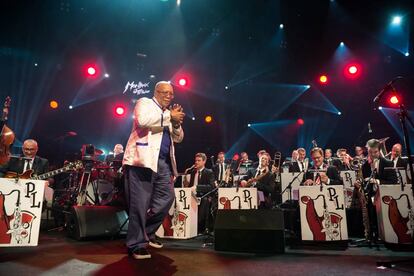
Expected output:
(98, 151)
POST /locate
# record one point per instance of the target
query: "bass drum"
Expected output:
(104, 189)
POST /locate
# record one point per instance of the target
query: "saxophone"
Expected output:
(363, 202)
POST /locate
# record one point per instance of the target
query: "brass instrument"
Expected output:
(357, 162)
(277, 159)
(252, 181)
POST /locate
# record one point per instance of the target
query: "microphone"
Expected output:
(387, 87)
(369, 128)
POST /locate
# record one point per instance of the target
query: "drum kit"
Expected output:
(95, 183)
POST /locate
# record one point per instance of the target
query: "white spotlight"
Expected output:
(35, 64)
(339, 113)
(226, 87)
(249, 125)
(380, 107)
(178, 2)
(396, 20)
(281, 26)
(193, 118)
(70, 107)
(106, 75)
(342, 43)
(407, 54)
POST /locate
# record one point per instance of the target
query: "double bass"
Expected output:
(7, 135)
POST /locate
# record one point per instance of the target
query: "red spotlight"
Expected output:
(300, 121)
(182, 82)
(91, 70)
(323, 79)
(394, 100)
(352, 70)
(119, 111)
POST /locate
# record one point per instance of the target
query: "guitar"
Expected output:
(72, 166)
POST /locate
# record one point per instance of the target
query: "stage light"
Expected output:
(394, 100)
(342, 44)
(226, 87)
(70, 107)
(182, 82)
(178, 2)
(208, 119)
(396, 20)
(380, 107)
(307, 86)
(106, 75)
(300, 122)
(35, 64)
(323, 79)
(54, 104)
(91, 71)
(281, 26)
(249, 125)
(119, 110)
(407, 54)
(339, 113)
(193, 118)
(352, 70)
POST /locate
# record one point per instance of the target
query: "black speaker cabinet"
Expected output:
(253, 231)
(96, 221)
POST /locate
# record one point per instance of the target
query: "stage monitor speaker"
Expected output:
(86, 222)
(251, 231)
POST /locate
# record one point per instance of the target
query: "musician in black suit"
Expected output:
(262, 178)
(343, 163)
(29, 161)
(301, 163)
(202, 181)
(398, 160)
(321, 173)
(220, 167)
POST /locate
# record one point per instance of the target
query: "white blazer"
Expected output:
(144, 143)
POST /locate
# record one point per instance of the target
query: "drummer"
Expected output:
(115, 159)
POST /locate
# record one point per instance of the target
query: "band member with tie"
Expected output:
(220, 167)
(262, 178)
(302, 162)
(150, 167)
(201, 182)
(320, 173)
(328, 160)
(29, 161)
(398, 160)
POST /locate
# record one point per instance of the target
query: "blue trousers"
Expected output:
(149, 196)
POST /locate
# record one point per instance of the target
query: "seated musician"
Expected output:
(320, 173)
(220, 168)
(328, 160)
(115, 159)
(359, 153)
(259, 154)
(343, 163)
(262, 178)
(244, 163)
(202, 179)
(398, 160)
(301, 163)
(29, 161)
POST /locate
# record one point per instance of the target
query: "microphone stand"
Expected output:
(290, 187)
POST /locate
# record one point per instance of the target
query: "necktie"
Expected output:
(302, 166)
(27, 165)
(221, 172)
(196, 175)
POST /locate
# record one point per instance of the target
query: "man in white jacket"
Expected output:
(150, 166)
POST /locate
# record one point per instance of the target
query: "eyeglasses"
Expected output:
(166, 93)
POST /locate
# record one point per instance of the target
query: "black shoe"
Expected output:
(155, 244)
(141, 254)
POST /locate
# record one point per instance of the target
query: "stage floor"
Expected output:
(58, 255)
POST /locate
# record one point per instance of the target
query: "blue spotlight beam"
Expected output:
(316, 100)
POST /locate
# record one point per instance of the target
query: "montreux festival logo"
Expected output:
(137, 88)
